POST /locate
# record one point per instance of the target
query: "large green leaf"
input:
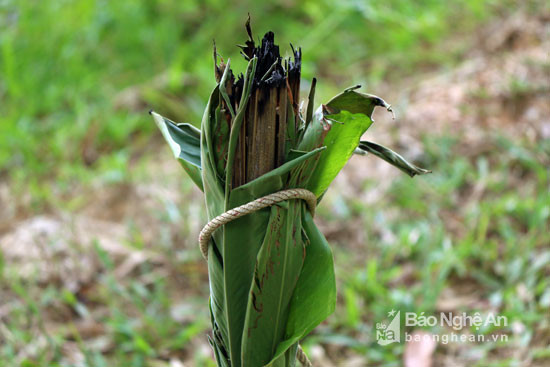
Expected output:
(214, 196)
(243, 239)
(391, 157)
(346, 117)
(184, 141)
(341, 140)
(277, 270)
(314, 297)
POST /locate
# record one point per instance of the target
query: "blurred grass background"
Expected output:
(98, 258)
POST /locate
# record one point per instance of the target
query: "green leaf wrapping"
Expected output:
(271, 273)
(314, 297)
(243, 240)
(278, 267)
(277, 270)
(214, 196)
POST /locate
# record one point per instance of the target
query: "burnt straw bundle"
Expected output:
(263, 164)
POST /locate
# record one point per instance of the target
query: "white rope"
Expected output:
(251, 207)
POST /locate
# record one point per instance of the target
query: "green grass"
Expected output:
(62, 65)
(499, 254)
(501, 248)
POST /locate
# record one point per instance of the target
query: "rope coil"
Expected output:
(249, 208)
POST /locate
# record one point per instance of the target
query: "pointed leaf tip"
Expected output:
(184, 141)
(161, 124)
(391, 157)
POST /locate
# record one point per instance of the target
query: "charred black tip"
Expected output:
(249, 28)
